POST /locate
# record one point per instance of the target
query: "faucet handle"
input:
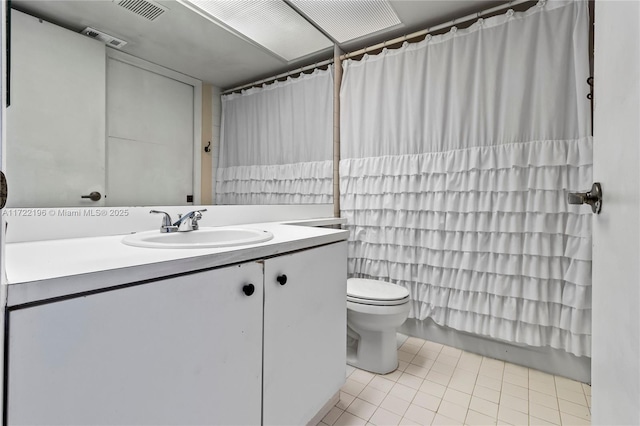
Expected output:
(196, 216)
(166, 222)
(192, 214)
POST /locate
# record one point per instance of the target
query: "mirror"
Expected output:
(91, 126)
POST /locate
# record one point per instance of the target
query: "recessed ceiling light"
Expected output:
(346, 20)
(271, 23)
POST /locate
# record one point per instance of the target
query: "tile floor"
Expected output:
(441, 385)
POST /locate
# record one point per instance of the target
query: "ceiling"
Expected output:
(185, 41)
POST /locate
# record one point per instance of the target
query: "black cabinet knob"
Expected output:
(282, 279)
(249, 289)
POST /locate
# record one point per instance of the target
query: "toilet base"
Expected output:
(373, 351)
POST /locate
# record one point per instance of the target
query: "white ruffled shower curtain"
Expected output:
(457, 155)
(277, 143)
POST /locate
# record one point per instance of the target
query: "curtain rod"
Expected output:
(382, 45)
(451, 23)
(279, 76)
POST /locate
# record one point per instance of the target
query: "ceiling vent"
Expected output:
(104, 37)
(146, 8)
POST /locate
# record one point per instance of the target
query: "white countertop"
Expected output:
(41, 270)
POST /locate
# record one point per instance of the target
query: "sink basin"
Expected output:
(202, 238)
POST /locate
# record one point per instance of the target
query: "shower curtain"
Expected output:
(457, 156)
(277, 143)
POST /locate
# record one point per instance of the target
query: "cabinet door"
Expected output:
(304, 333)
(185, 350)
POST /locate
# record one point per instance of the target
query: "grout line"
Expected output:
(486, 361)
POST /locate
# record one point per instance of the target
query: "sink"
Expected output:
(202, 238)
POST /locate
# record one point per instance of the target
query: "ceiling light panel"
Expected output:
(346, 20)
(270, 23)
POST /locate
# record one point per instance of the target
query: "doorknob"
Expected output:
(3, 190)
(94, 196)
(593, 198)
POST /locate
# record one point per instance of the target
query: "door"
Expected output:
(305, 312)
(3, 103)
(616, 231)
(56, 122)
(184, 350)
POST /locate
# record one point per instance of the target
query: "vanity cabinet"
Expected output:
(183, 350)
(240, 344)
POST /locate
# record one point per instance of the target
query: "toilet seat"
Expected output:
(373, 292)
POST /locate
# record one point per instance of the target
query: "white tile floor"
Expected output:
(441, 385)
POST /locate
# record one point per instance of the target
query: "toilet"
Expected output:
(375, 309)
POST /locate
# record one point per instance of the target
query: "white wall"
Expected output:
(616, 231)
(150, 137)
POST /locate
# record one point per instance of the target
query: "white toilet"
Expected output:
(375, 309)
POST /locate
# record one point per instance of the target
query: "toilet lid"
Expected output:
(374, 292)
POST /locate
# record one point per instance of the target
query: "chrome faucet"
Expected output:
(166, 222)
(190, 219)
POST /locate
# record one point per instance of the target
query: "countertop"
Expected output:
(41, 270)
